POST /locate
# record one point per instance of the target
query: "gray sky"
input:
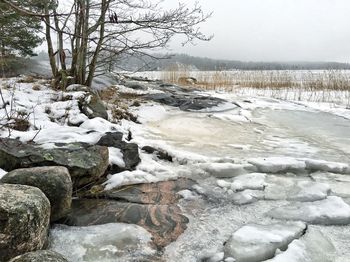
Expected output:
(275, 30)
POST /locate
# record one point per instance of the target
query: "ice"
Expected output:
(321, 165)
(116, 156)
(312, 247)
(151, 113)
(277, 164)
(305, 191)
(255, 181)
(223, 170)
(247, 197)
(254, 242)
(339, 184)
(330, 211)
(103, 243)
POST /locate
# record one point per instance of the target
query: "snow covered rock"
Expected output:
(24, 220)
(86, 163)
(330, 211)
(54, 182)
(254, 242)
(104, 243)
(91, 105)
(129, 151)
(40, 256)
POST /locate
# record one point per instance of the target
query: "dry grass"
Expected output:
(327, 80)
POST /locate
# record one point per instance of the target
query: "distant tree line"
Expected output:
(208, 64)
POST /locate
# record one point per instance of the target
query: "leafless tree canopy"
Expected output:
(94, 33)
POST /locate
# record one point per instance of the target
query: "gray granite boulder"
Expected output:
(24, 220)
(86, 163)
(54, 182)
(40, 256)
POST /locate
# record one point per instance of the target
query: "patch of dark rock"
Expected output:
(86, 163)
(159, 153)
(186, 102)
(135, 85)
(160, 193)
(130, 150)
(165, 222)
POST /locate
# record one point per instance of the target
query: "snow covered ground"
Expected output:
(256, 160)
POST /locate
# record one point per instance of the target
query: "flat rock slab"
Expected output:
(161, 193)
(330, 211)
(86, 163)
(40, 256)
(254, 242)
(165, 222)
(24, 220)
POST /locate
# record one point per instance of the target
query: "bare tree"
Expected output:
(93, 33)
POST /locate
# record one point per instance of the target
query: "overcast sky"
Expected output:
(275, 30)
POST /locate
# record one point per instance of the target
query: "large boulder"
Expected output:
(54, 182)
(86, 163)
(24, 220)
(40, 256)
(91, 105)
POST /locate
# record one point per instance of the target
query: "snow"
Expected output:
(249, 181)
(330, 211)
(116, 157)
(322, 165)
(102, 243)
(128, 178)
(256, 242)
(247, 196)
(2, 173)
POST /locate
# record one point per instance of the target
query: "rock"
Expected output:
(165, 222)
(91, 105)
(40, 256)
(161, 193)
(187, 80)
(107, 243)
(54, 182)
(330, 211)
(135, 85)
(130, 151)
(24, 220)
(255, 243)
(159, 153)
(86, 163)
(185, 101)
